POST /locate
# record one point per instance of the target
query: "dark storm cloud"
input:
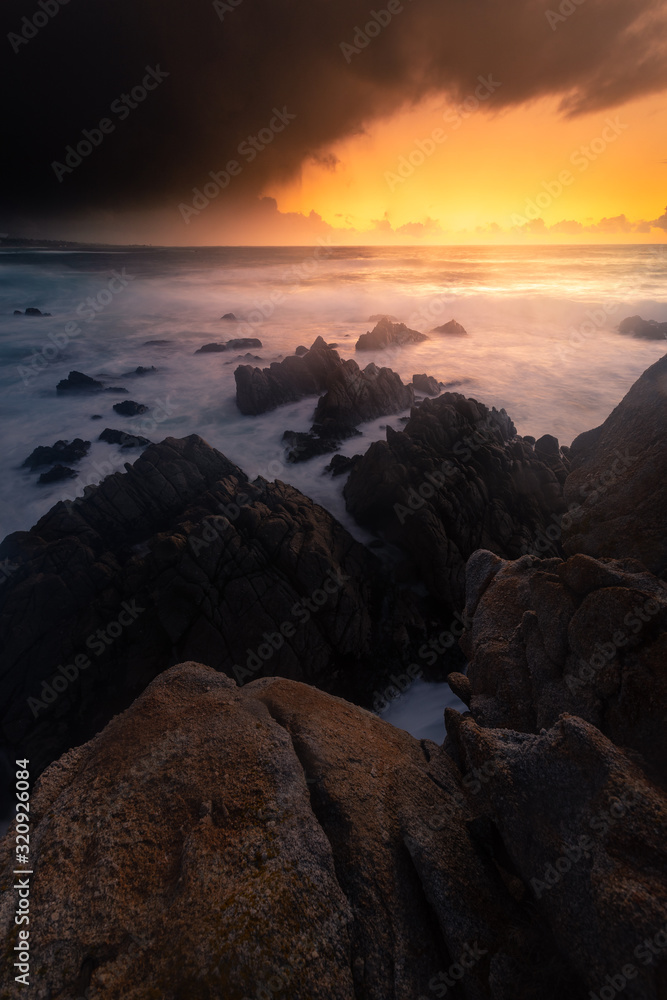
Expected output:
(230, 64)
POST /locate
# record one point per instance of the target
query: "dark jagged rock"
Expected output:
(451, 329)
(376, 317)
(427, 384)
(56, 475)
(584, 636)
(231, 317)
(157, 343)
(340, 465)
(355, 395)
(17, 312)
(308, 848)
(456, 479)
(208, 565)
(259, 390)
(644, 329)
(96, 416)
(128, 408)
(300, 351)
(388, 334)
(306, 445)
(232, 345)
(78, 382)
(123, 439)
(618, 482)
(31, 311)
(63, 451)
(141, 370)
(116, 388)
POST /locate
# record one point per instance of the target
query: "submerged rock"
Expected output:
(123, 439)
(64, 451)
(388, 334)
(78, 382)
(128, 408)
(644, 329)
(238, 344)
(231, 317)
(57, 474)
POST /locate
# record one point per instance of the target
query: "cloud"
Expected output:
(615, 225)
(661, 223)
(230, 66)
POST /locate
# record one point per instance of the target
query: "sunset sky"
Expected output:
(448, 122)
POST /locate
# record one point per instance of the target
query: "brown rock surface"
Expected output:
(215, 842)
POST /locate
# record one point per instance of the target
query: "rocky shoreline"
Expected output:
(242, 820)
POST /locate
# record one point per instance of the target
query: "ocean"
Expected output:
(542, 325)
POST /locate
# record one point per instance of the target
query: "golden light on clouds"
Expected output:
(467, 167)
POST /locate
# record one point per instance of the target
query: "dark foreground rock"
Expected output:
(456, 479)
(78, 382)
(129, 408)
(61, 451)
(644, 329)
(182, 557)
(276, 840)
(451, 329)
(388, 334)
(618, 483)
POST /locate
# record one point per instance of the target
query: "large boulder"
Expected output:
(618, 482)
(584, 636)
(216, 842)
(456, 479)
(61, 451)
(388, 334)
(354, 396)
(181, 557)
(78, 382)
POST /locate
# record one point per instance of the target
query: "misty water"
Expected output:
(542, 344)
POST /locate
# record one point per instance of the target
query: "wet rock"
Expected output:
(128, 408)
(355, 395)
(340, 465)
(241, 343)
(451, 329)
(141, 370)
(123, 439)
(231, 317)
(300, 351)
(57, 474)
(388, 334)
(427, 384)
(78, 382)
(211, 349)
(63, 451)
(157, 343)
(96, 416)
